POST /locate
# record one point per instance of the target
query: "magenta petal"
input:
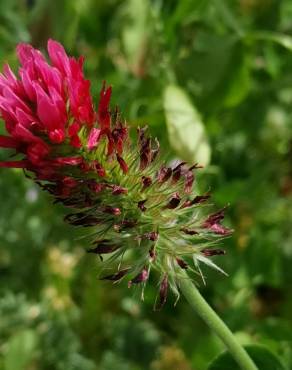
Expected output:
(9, 79)
(93, 138)
(70, 161)
(7, 110)
(50, 75)
(57, 136)
(3, 81)
(58, 56)
(23, 134)
(8, 142)
(58, 101)
(14, 100)
(24, 52)
(24, 118)
(9, 74)
(37, 151)
(27, 84)
(14, 164)
(73, 129)
(48, 112)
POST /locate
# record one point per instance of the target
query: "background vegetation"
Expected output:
(213, 80)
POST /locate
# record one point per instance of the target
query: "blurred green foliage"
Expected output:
(218, 70)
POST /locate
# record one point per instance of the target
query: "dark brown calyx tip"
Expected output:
(181, 263)
(188, 231)
(152, 235)
(117, 276)
(174, 201)
(162, 295)
(146, 181)
(212, 252)
(140, 278)
(141, 205)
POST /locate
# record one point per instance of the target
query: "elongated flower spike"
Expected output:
(143, 215)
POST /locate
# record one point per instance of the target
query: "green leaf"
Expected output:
(20, 350)
(228, 17)
(239, 82)
(186, 130)
(262, 357)
(136, 32)
(278, 38)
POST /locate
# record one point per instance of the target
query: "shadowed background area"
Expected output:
(213, 81)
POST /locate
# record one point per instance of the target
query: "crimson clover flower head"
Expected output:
(144, 216)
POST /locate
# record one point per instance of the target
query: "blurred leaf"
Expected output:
(228, 17)
(186, 131)
(171, 358)
(136, 33)
(233, 78)
(129, 336)
(205, 48)
(239, 82)
(263, 358)
(21, 350)
(182, 13)
(279, 38)
(229, 83)
(273, 60)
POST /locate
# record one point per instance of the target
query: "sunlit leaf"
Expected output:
(186, 130)
(20, 351)
(279, 38)
(135, 34)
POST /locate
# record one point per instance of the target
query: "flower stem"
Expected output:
(210, 317)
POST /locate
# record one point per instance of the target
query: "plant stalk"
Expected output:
(198, 303)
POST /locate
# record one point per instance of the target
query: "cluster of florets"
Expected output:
(142, 213)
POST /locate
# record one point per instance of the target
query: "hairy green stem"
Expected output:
(198, 303)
